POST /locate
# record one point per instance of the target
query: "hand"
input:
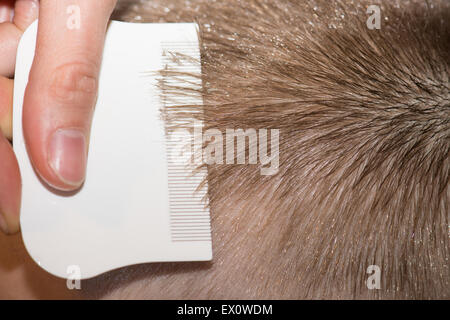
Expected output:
(60, 95)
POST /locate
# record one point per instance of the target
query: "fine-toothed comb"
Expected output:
(139, 202)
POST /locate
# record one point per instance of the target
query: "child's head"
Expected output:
(364, 120)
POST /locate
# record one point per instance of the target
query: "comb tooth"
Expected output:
(188, 200)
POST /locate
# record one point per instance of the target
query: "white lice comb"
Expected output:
(136, 205)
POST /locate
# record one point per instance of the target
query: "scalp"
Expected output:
(364, 120)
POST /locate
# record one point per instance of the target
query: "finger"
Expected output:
(6, 103)
(62, 89)
(26, 11)
(9, 40)
(10, 188)
(6, 10)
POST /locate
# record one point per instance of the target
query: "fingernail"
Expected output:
(27, 6)
(67, 155)
(3, 224)
(28, 9)
(6, 14)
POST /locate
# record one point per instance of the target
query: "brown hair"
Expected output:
(364, 119)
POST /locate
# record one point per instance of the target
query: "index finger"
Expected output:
(62, 88)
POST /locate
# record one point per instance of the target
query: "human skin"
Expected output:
(22, 278)
(58, 106)
(272, 237)
(60, 96)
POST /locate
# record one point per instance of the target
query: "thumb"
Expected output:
(62, 88)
